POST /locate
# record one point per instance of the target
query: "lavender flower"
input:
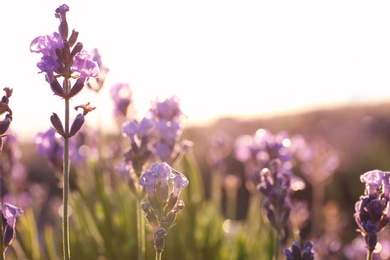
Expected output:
(296, 253)
(372, 209)
(167, 117)
(9, 215)
(163, 186)
(84, 65)
(140, 135)
(275, 185)
(257, 151)
(156, 136)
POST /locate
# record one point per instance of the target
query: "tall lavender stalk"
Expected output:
(155, 138)
(64, 57)
(8, 212)
(372, 209)
(163, 186)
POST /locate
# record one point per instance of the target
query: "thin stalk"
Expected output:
(318, 202)
(369, 254)
(277, 242)
(231, 204)
(140, 230)
(216, 182)
(158, 255)
(2, 253)
(65, 216)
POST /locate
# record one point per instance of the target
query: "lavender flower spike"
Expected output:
(372, 208)
(163, 186)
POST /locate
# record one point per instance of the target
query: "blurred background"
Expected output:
(220, 58)
(307, 68)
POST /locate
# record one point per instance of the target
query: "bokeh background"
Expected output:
(307, 68)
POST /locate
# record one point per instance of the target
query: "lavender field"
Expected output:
(309, 185)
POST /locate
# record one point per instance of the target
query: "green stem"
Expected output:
(231, 204)
(65, 217)
(277, 242)
(140, 230)
(158, 255)
(369, 254)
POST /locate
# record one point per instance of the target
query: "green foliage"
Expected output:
(103, 224)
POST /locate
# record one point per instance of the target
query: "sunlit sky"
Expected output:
(237, 58)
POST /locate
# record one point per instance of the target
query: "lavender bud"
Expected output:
(77, 124)
(57, 124)
(77, 48)
(77, 87)
(66, 52)
(63, 30)
(8, 92)
(159, 240)
(149, 215)
(4, 125)
(8, 235)
(73, 38)
(57, 88)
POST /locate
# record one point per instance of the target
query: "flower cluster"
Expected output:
(372, 210)
(296, 253)
(163, 186)
(256, 151)
(63, 56)
(156, 136)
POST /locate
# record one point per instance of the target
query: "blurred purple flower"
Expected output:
(122, 97)
(256, 152)
(221, 146)
(319, 160)
(48, 144)
(169, 109)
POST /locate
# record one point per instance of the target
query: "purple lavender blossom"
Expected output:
(275, 185)
(163, 186)
(47, 44)
(169, 109)
(256, 152)
(85, 66)
(371, 211)
(167, 117)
